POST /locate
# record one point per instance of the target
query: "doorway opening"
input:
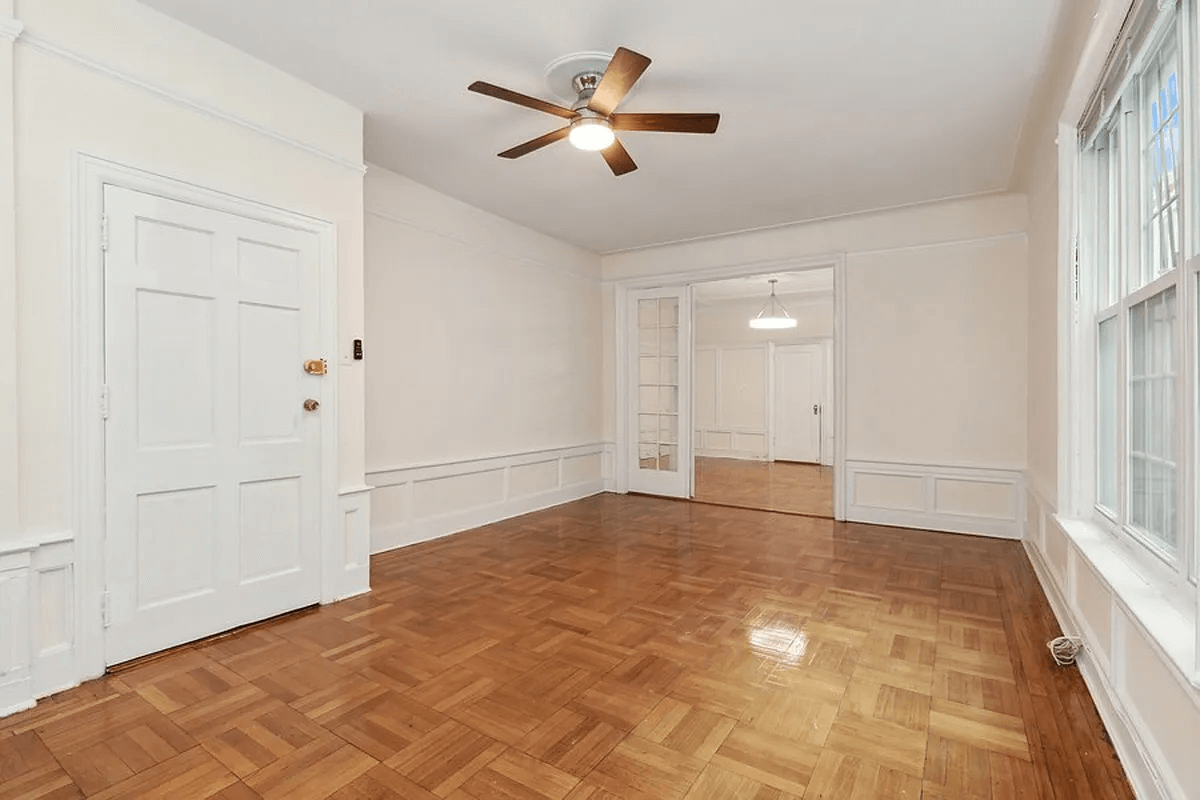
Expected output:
(763, 427)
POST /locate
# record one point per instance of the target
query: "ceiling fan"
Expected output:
(593, 122)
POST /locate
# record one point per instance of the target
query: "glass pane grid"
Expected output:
(1152, 425)
(658, 384)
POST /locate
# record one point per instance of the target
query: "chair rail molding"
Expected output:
(417, 502)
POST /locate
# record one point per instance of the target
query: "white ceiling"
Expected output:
(827, 106)
(808, 282)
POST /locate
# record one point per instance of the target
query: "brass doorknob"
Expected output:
(311, 405)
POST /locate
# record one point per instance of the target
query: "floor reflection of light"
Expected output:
(784, 644)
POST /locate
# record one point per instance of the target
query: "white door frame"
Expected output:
(86, 282)
(836, 262)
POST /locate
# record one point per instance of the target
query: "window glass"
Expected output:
(1152, 422)
(1160, 170)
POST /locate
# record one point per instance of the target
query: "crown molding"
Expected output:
(52, 49)
(11, 28)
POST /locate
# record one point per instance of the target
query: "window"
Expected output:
(1135, 288)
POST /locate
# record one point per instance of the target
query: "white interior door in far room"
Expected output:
(660, 360)
(799, 401)
(212, 459)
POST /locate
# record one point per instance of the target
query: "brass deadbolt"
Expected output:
(316, 366)
(311, 404)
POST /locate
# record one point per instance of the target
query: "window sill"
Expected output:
(1169, 621)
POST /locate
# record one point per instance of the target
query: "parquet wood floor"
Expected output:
(616, 647)
(766, 485)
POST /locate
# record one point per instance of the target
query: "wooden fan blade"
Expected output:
(510, 96)
(622, 73)
(666, 123)
(618, 158)
(536, 144)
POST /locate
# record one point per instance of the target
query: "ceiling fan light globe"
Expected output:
(591, 134)
(772, 323)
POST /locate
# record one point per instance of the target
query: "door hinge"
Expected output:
(104, 232)
(104, 401)
(106, 608)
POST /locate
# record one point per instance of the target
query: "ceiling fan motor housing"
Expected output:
(585, 84)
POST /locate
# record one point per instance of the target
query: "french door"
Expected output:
(659, 358)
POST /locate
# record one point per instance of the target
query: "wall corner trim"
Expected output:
(11, 29)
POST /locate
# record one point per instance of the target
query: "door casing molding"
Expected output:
(86, 377)
(622, 288)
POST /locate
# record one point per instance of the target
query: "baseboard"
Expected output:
(737, 455)
(954, 499)
(1131, 749)
(390, 537)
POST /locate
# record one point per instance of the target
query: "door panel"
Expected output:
(212, 465)
(799, 390)
(660, 392)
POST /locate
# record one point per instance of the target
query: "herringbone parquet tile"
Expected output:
(614, 648)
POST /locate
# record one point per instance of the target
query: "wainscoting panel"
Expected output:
(986, 502)
(37, 619)
(15, 686)
(354, 507)
(1139, 658)
(417, 503)
(750, 445)
(52, 622)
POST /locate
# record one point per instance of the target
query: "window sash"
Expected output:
(1129, 202)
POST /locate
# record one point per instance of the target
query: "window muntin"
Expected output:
(1107, 417)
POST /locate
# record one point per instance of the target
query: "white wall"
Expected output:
(731, 401)
(1139, 649)
(114, 80)
(935, 340)
(484, 395)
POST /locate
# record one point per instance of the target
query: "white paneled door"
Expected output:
(660, 385)
(212, 460)
(799, 393)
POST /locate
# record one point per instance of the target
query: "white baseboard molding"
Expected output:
(954, 499)
(426, 501)
(738, 455)
(1131, 749)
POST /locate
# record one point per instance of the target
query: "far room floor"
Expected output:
(784, 486)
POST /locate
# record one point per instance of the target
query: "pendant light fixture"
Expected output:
(773, 315)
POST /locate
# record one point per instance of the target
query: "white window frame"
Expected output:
(1174, 575)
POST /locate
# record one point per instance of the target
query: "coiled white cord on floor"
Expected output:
(1064, 649)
